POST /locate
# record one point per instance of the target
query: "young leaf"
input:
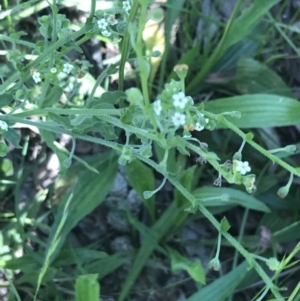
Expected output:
(87, 288)
(194, 269)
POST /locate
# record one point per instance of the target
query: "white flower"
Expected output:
(106, 33)
(180, 100)
(242, 167)
(126, 6)
(53, 70)
(36, 76)
(3, 125)
(157, 107)
(112, 20)
(198, 127)
(178, 119)
(67, 68)
(102, 23)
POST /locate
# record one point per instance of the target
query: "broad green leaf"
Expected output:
(53, 97)
(258, 110)
(252, 77)
(13, 137)
(223, 287)
(142, 179)
(91, 188)
(50, 139)
(207, 196)
(87, 288)
(5, 99)
(194, 269)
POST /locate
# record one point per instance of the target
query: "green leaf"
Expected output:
(252, 77)
(186, 180)
(112, 97)
(87, 288)
(108, 132)
(13, 137)
(207, 196)
(6, 167)
(141, 178)
(258, 110)
(18, 35)
(244, 24)
(5, 99)
(235, 31)
(53, 97)
(223, 287)
(50, 140)
(194, 269)
(135, 97)
(4, 149)
(224, 226)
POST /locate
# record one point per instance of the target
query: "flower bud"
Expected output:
(181, 70)
(214, 264)
(273, 264)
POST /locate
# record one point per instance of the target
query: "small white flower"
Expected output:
(112, 20)
(3, 125)
(102, 23)
(157, 107)
(36, 76)
(180, 100)
(198, 127)
(106, 33)
(53, 70)
(242, 167)
(67, 68)
(126, 6)
(178, 119)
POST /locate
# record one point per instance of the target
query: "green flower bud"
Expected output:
(273, 264)
(214, 264)
(181, 70)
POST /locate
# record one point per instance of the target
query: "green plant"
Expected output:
(172, 122)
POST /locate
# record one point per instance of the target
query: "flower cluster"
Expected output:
(102, 24)
(36, 75)
(179, 108)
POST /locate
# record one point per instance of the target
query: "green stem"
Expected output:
(17, 41)
(217, 225)
(266, 153)
(218, 245)
(92, 12)
(125, 45)
(88, 112)
(99, 80)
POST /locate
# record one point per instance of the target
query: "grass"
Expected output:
(247, 243)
